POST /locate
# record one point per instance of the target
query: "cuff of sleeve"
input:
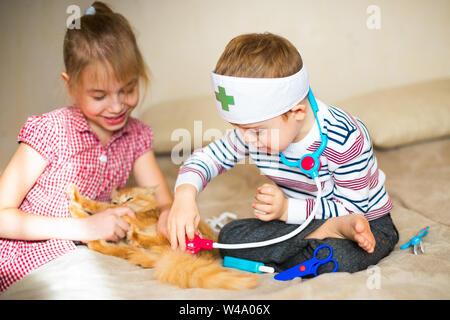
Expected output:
(189, 178)
(145, 143)
(296, 211)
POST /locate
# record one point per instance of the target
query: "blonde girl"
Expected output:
(94, 144)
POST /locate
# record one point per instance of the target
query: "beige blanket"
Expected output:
(418, 180)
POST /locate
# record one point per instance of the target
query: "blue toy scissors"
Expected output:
(308, 267)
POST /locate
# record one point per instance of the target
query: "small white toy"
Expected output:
(217, 223)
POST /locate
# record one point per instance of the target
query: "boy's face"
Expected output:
(275, 135)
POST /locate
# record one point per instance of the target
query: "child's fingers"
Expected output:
(197, 230)
(264, 217)
(266, 189)
(163, 228)
(119, 232)
(190, 231)
(181, 235)
(120, 211)
(122, 224)
(264, 198)
(262, 207)
(173, 236)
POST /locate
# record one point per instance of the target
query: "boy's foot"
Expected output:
(354, 227)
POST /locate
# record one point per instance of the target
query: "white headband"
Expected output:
(248, 100)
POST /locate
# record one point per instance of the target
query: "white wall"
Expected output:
(182, 40)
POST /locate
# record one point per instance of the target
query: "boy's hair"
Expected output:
(105, 37)
(259, 55)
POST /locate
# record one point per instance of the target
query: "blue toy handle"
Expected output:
(320, 248)
(242, 264)
(405, 246)
(308, 267)
(321, 263)
(415, 240)
(324, 260)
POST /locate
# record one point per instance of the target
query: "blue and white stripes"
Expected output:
(350, 178)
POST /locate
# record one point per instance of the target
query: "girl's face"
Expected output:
(105, 102)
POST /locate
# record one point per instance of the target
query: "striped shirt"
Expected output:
(350, 179)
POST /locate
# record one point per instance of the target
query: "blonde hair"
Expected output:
(107, 38)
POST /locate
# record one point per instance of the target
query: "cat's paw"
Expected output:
(132, 237)
(71, 191)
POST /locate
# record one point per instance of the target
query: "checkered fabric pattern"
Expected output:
(75, 156)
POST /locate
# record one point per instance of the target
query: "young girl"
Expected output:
(93, 144)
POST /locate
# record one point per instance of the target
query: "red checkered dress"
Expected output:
(74, 155)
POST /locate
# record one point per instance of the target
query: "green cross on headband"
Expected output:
(224, 99)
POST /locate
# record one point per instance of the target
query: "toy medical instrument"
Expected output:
(308, 267)
(309, 164)
(246, 265)
(416, 241)
(197, 244)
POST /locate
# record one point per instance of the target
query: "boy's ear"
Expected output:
(299, 111)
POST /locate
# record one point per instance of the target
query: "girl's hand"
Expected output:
(272, 202)
(106, 225)
(184, 217)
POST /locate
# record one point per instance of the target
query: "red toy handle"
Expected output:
(194, 246)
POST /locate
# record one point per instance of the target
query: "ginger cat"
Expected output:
(146, 247)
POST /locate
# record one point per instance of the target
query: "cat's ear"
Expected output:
(114, 192)
(72, 192)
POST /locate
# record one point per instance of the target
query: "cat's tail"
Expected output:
(190, 271)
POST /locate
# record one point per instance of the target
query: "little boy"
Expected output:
(353, 215)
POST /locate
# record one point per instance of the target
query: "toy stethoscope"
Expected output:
(309, 164)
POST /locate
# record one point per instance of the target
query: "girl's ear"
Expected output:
(66, 78)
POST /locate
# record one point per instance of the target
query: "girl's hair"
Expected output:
(107, 38)
(259, 55)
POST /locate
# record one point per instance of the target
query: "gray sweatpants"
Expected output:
(286, 254)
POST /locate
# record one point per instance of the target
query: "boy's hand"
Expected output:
(184, 217)
(272, 202)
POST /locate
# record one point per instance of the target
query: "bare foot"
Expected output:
(354, 227)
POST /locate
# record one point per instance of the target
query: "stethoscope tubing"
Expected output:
(314, 174)
(279, 239)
